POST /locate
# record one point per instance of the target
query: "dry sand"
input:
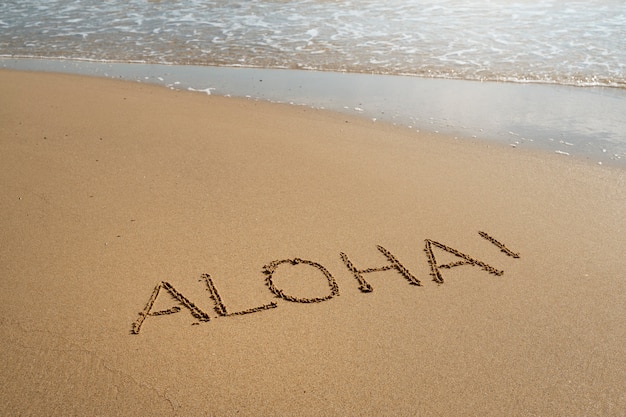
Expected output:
(110, 188)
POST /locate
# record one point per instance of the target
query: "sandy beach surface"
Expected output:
(377, 271)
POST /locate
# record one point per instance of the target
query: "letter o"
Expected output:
(271, 268)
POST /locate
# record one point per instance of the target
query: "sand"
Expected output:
(376, 270)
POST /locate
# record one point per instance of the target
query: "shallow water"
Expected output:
(575, 42)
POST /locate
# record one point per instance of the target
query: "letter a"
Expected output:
(466, 260)
(195, 311)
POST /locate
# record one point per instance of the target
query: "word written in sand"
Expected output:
(270, 269)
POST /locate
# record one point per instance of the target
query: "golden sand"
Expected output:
(171, 253)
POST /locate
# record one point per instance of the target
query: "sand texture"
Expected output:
(170, 253)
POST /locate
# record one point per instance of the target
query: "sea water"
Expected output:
(566, 43)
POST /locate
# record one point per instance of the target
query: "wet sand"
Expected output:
(572, 122)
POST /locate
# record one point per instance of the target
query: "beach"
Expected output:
(376, 270)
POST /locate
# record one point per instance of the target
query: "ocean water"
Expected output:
(565, 42)
(552, 72)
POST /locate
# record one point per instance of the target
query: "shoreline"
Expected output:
(167, 252)
(584, 123)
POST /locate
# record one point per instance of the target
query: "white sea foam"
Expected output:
(580, 43)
